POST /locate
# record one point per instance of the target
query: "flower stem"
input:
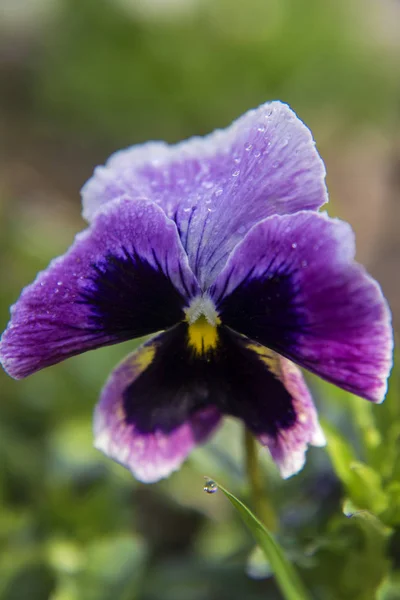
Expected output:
(261, 506)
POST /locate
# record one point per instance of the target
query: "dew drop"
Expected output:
(235, 173)
(262, 129)
(218, 192)
(294, 245)
(59, 282)
(207, 184)
(248, 147)
(242, 229)
(257, 154)
(210, 487)
(304, 263)
(236, 160)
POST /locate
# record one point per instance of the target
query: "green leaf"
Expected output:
(372, 561)
(341, 455)
(370, 486)
(351, 560)
(286, 576)
(390, 588)
(364, 418)
(363, 484)
(391, 516)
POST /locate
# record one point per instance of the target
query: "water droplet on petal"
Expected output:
(294, 245)
(235, 173)
(248, 147)
(304, 263)
(218, 192)
(257, 154)
(262, 129)
(210, 487)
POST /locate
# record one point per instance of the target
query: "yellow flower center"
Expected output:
(203, 336)
(203, 321)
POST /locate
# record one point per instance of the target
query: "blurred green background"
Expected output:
(82, 78)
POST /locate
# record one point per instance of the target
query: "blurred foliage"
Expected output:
(73, 525)
(103, 71)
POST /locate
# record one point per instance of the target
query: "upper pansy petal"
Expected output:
(124, 277)
(121, 176)
(292, 285)
(219, 186)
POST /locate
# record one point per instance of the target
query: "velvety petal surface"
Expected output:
(293, 285)
(124, 277)
(279, 410)
(151, 414)
(170, 395)
(217, 187)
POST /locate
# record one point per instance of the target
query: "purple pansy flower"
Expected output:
(217, 245)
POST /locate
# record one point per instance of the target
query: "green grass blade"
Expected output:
(286, 576)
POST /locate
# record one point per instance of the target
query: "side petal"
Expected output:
(152, 411)
(293, 285)
(169, 396)
(217, 187)
(124, 277)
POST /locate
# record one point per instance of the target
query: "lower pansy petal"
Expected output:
(124, 277)
(152, 413)
(169, 396)
(288, 448)
(279, 409)
(293, 285)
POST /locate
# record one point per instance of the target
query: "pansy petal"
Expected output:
(293, 285)
(152, 412)
(124, 277)
(219, 186)
(169, 396)
(275, 404)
